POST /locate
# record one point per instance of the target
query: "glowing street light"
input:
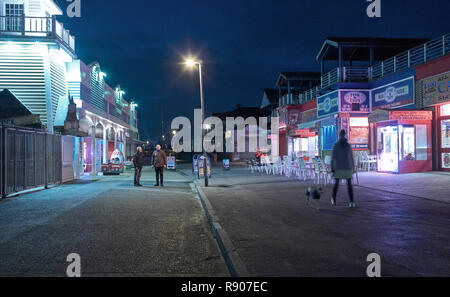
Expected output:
(190, 62)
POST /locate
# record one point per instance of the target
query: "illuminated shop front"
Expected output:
(444, 137)
(436, 95)
(344, 110)
(289, 118)
(303, 143)
(403, 140)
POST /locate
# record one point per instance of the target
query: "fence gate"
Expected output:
(29, 159)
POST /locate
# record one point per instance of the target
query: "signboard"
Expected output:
(357, 130)
(359, 137)
(445, 134)
(309, 116)
(226, 164)
(201, 166)
(393, 95)
(406, 115)
(303, 133)
(195, 166)
(355, 100)
(446, 160)
(171, 163)
(328, 104)
(436, 89)
(379, 116)
(289, 116)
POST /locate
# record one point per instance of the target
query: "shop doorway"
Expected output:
(444, 138)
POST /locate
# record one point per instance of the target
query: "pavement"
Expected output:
(244, 224)
(117, 229)
(429, 185)
(274, 233)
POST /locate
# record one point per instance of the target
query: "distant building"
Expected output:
(245, 113)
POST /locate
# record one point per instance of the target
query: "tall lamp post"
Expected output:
(192, 63)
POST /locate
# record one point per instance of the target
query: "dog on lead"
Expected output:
(314, 194)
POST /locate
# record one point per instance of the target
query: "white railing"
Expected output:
(431, 50)
(36, 26)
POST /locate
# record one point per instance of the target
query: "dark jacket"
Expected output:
(138, 160)
(159, 158)
(342, 158)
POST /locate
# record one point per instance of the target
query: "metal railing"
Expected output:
(431, 50)
(36, 26)
(29, 159)
(330, 78)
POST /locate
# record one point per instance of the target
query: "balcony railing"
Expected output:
(429, 51)
(348, 74)
(36, 26)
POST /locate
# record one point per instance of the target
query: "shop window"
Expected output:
(445, 132)
(387, 145)
(445, 110)
(359, 132)
(408, 144)
(329, 137)
(421, 143)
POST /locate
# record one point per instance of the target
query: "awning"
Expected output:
(328, 121)
(307, 125)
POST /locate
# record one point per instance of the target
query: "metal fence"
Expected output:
(29, 159)
(429, 51)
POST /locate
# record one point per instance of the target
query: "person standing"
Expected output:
(343, 167)
(138, 161)
(159, 162)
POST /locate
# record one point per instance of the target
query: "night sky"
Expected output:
(244, 44)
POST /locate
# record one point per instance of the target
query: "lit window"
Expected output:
(445, 132)
(445, 110)
(14, 13)
(359, 122)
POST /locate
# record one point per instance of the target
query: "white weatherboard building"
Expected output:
(38, 63)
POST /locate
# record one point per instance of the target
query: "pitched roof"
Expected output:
(11, 106)
(273, 95)
(298, 79)
(244, 112)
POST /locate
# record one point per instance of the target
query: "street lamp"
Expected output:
(192, 63)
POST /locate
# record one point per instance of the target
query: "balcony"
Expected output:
(429, 51)
(348, 74)
(23, 26)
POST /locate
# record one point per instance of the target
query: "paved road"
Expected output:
(276, 234)
(117, 229)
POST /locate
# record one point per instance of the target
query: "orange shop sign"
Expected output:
(417, 115)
